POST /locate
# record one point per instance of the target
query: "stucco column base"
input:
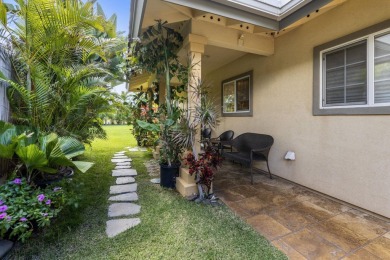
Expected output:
(185, 184)
(156, 153)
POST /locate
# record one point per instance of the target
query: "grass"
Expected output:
(171, 227)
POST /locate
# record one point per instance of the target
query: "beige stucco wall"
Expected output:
(346, 157)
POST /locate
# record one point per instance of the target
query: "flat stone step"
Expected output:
(125, 180)
(134, 149)
(5, 247)
(132, 196)
(123, 164)
(123, 209)
(115, 160)
(117, 226)
(118, 154)
(117, 189)
(124, 172)
(120, 157)
(122, 167)
(143, 149)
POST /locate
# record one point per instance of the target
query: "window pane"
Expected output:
(382, 69)
(346, 75)
(356, 74)
(228, 97)
(335, 96)
(335, 59)
(356, 53)
(357, 93)
(382, 93)
(356, 89)
(335, 78)
(242, 94)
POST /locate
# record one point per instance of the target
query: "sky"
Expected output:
(122, 9)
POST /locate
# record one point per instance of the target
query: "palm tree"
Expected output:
(61, 54)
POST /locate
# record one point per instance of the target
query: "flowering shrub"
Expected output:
(23, 207)
(204, 166)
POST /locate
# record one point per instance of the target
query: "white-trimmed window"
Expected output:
(357, 74)
(352, 74)
(237, 95)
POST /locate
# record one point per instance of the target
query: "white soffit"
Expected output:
(274, 9)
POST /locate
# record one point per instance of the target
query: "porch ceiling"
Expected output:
(214, 57)
(225, 23)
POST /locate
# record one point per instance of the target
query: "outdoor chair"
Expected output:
(206, 133)
(250, 147)
(223, 141)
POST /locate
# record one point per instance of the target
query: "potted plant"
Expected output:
(170, 150)
(203, 115)
(155, 52)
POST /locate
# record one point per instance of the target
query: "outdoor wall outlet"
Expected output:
(290, 156)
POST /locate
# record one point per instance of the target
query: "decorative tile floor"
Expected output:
(301, 223)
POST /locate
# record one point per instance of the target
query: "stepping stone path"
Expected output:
(120, 160)
(122, 167)
(123, 164)
(124, 172)
(125, 180)
(123, 208)
(116, 189)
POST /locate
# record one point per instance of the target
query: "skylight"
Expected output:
(275, 9)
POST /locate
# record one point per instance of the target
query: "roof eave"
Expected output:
(137, 11)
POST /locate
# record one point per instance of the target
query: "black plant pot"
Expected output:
(168, 175)
(47, 179)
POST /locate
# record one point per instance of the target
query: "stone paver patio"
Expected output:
(300, 222)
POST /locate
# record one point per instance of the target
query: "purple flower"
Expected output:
(23, 219)
(57, 189)
(9, 218)
(41, 197)
(44, 214)
(1, 202)
(17, 181)
(3, 208)
(3, 215)
(48, 202)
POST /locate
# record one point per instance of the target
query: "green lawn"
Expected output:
(171, 227)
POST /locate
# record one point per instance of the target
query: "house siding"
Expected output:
(344, 156)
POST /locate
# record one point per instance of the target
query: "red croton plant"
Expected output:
(204, 166)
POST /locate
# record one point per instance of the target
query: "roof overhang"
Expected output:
(272, 15)
(137, 11)
(232, 27)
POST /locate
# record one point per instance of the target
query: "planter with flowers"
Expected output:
(23, 208)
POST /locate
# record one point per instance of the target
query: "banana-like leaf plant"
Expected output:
(46, 155)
